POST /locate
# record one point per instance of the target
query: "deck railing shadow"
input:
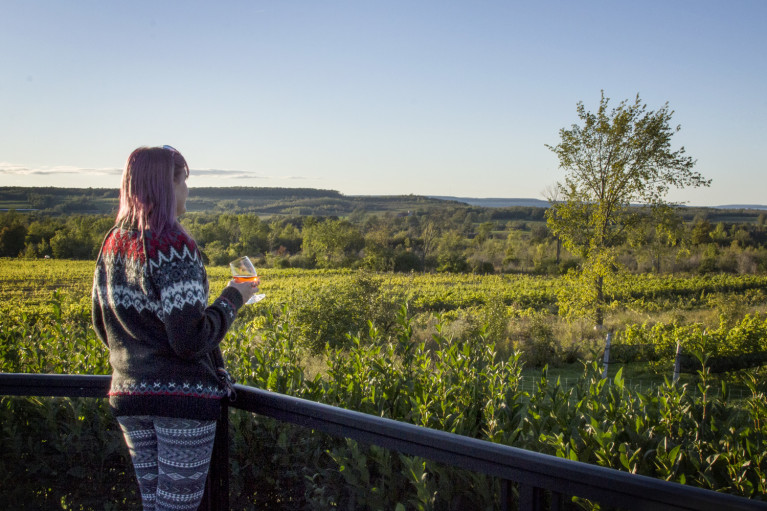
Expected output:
(541, 481)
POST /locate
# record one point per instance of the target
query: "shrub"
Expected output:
(534, 339)
(332, 310)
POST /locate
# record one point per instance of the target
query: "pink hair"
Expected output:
(147, 198)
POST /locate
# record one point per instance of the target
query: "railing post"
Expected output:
(507, 494)
(557, 502)
(216, 496)
(530, 498)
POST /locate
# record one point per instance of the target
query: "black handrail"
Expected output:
(535, 474)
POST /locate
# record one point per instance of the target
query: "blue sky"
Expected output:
(373, 98)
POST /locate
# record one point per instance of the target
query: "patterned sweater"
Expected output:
(150, 308)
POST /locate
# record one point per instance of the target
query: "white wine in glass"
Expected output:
(244, 271)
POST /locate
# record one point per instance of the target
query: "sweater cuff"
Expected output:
(232, 296)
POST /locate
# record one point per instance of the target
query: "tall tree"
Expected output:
(429, 239)
(331, 242)
(615, 162)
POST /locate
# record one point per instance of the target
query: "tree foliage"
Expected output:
(454, 238)
(618, 164)
(331, 242)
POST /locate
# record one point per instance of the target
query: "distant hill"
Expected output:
(317, 202)
(741, 206)
(537, 203)
(261, 201)
(495, 202)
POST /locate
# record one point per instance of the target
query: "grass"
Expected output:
(636, 371)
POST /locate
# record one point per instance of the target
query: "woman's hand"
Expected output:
(246, 289)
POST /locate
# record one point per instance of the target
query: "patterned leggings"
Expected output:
(171, 459)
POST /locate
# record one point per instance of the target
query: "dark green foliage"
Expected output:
(12, 240)
(61, 453)
(406, 261)
(402, 234)
(69, 451)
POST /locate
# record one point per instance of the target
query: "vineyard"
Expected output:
(445, 351)
(30, 282)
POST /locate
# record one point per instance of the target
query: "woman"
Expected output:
(150, 307)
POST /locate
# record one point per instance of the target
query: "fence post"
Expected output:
(507, 495)
(531, 498)
(677, 361)
(606, 360)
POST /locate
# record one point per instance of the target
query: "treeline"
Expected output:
(453, 238)
(32, 194)
(294, 202)
(262, 201)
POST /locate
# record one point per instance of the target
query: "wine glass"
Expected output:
(244, 271)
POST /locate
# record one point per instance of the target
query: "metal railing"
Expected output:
(541, 480)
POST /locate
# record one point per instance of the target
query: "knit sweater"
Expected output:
(150, 308)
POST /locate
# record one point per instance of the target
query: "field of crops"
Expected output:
(453, 379)
(32, 281)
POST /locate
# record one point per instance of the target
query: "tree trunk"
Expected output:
(599, 309)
